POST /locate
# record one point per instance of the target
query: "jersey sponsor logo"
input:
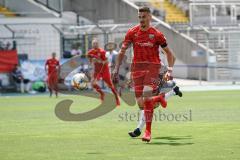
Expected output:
(151, 36)
(148, 44)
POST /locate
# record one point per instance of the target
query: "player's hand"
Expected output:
(104, 62)
(129, 83)
(168, 76)
(96, 60)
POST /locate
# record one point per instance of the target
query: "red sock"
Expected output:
(114, 92)
(116, 95)
(161, 99)
(98, 89)
(148, 112)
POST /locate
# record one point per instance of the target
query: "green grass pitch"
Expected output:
(30, 130)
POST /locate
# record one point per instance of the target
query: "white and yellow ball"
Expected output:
(79, 81)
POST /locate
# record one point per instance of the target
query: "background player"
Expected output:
(146, 64)
(52, 68)
(97, 57)
(111, 55)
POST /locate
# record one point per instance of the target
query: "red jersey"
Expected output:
(52, 65)
(99, 54)
(145, 44)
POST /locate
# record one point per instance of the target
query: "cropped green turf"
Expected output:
(30, 130)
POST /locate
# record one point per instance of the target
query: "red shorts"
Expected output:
(144, 74)
(52, 80)
(105, 75)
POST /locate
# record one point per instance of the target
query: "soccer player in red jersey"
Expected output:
(98, 59)
(52, 68)
(146, 62)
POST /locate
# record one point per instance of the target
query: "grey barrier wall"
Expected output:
(2, 2)
(26, 8)
(55, 5)
(183, 47)
(96, 10)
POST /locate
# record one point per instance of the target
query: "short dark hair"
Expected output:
(144, 9)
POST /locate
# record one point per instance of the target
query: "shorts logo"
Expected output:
(151, 36)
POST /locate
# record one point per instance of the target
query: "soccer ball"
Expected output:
(79, 81)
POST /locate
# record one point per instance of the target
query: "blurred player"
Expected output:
(146, 64)
(124, 76)
(52, 68)
(97, 57)
(111, 55)
(124, 70)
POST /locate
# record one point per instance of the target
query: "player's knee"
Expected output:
(93, 83)
(174, 83)
(147, 92)
(171, 84)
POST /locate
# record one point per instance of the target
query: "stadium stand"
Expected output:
(172, 9)
(114, 11)
(27, 8)
(5, 12)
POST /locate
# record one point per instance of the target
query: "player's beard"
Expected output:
(143, 25)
